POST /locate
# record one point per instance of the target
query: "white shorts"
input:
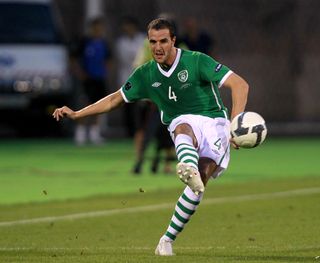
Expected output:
(212, 134)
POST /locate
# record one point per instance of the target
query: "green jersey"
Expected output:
(190, 86)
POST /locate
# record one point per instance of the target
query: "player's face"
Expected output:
(162, 46)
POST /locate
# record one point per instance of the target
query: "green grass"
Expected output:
(28, 169)
(82, 180)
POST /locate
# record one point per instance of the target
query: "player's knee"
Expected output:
(204, 177)
(186, 129)
(206, 168)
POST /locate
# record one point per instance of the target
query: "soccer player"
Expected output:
(185, 87)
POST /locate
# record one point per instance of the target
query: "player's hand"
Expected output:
(59, 113)
(234, 145)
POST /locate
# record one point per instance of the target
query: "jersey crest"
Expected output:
(183, 75)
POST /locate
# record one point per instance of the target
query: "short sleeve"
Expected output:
(134, 88)
(212, 71)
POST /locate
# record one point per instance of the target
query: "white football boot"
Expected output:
(164, 248)
(191, 177)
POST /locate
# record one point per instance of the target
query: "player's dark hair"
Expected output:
(161, 23)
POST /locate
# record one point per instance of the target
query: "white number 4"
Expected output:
(171, 94)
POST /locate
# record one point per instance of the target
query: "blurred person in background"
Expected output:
(148, 118)
(127, 46)
(152, 128)
(197, 39)
(91, 62)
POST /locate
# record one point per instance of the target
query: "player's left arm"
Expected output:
(239, 93)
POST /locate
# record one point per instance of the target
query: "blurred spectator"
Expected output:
(127, 46)
(90, 61)
(150, 126)
(197, 39)
(153, 128)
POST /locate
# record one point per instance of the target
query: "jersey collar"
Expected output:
(173, 67)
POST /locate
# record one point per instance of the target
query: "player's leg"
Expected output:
(156, 159)
(169, 159)
(80, 133)
(165, 145)
(214, 151)
(142, 116)
(185, 144)
(184, 209)
(96, 90)
(207, 168)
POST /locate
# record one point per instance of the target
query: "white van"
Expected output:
(33, 58)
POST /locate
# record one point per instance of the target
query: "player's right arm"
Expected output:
(106, 104)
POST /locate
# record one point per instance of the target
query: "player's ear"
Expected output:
(173, 39)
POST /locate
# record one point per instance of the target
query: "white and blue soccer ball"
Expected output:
(248, 129)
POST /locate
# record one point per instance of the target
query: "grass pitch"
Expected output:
(60, 203)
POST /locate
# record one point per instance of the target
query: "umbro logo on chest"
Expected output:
(156, 84)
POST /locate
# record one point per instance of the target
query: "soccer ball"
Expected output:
(248, 129)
